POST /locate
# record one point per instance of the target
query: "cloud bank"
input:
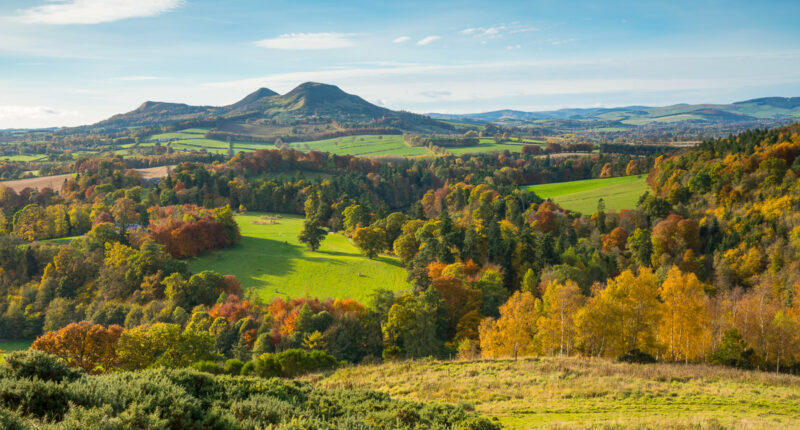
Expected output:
(65, 12)
(307, 41)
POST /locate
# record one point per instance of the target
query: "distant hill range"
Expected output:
(768, 108)
(309, 102)
(317, 111)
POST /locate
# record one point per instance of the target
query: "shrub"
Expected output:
(208, 367)
(263, 410)
(636, 356)
(11, 421)
(233, 366)
(36, 364)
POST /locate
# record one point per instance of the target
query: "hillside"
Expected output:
(580, 393)
(769, 108)
(310, 101)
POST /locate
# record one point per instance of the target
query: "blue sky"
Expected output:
(70, 62)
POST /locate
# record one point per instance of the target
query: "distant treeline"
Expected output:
(621, 148)
(224, 135)
(442, 141)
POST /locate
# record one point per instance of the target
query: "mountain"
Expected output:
(769, 108)
(154, 113)
(310, 101)
(252, 100)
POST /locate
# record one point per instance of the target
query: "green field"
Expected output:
(13, 345)
(568, 393)
(363, 146)
(359, 145)
(582, 196)
(272, 260)
(26, 158)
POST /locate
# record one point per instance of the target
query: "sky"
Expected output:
(73, 62)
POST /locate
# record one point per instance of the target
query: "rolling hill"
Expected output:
(309, 102)
(768, 108)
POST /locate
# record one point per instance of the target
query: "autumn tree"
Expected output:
(91, 347)
(683, 329)
(624, 315)
(415, 324)
(124, 212)
(370, 240)
(514, 332)
(556, 326)
(163, 345)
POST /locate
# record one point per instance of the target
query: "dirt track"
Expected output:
(57, 181)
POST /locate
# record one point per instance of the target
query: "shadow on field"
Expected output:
(255, 256)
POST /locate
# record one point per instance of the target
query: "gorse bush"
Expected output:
(287, 364)
(189, 399)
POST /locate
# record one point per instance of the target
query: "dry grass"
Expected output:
(583, 393)
(57, 181)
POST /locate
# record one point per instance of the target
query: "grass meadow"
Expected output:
(582, 196)
(363, 146)
(586, 393)
(270, 259)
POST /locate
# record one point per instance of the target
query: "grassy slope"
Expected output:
(579, 393)
(582, 196)
(271, 259)
(367, 146)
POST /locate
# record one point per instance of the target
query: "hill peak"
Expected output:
(317, 90)
(254, 97)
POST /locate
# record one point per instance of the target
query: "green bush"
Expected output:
(36, 364)
(191, 399)
(208, 367)
(233, 367)
(636, 356)
(11, 421)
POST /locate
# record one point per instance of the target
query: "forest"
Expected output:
(705, 269)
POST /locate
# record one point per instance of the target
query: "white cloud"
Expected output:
(513, 47)
(63, 12)
(520, 84)
(30, 112)
(497, 31)
(401, 39)
(428, 40)
(307, 41)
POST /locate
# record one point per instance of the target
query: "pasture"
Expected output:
(270, 259)
(588, 393)
(363, 146)
(582, 196)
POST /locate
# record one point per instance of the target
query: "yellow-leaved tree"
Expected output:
(684, 328)
(556, 326)
(514, 332)
(622, 316)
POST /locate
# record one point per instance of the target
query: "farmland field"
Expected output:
(582, 196)
(583, 393)
(271, 259)
(363, 146)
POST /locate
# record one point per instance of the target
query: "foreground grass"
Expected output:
(271, 259)
(581, 393)
(582, 196)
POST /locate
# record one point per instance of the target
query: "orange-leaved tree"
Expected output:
(91, 347)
